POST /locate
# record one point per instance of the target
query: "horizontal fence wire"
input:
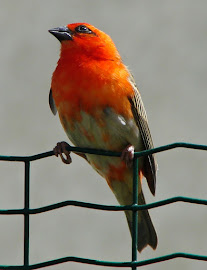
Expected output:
(133, 264)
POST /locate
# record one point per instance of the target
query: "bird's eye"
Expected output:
(83, 29)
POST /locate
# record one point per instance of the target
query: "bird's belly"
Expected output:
(103, 130)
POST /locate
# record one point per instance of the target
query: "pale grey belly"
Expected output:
(113, 132)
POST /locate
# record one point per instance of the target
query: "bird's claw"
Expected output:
(128, 155)
(60, 149)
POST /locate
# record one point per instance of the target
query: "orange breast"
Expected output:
(87, 86)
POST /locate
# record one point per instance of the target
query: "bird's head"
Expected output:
(80, 39)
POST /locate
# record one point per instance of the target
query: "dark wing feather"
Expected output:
(149, 167)
(52, 103)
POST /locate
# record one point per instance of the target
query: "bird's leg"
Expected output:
(61, 148)
(128, 155)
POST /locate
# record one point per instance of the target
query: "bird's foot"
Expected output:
(128, 155)
(60, 149)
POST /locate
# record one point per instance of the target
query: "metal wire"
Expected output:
(135, 213)
(134, 263)
(26, 214)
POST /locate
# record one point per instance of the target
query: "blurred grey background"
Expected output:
(164, 43)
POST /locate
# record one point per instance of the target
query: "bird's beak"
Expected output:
(62, 33)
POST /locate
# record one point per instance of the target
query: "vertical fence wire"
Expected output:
(26, 214)
(135, 213)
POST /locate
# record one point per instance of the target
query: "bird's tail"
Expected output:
(146, 231)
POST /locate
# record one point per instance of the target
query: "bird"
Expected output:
(100, 106)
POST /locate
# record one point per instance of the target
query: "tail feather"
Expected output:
(146, 231)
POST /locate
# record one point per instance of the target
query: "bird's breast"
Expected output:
(91, 86)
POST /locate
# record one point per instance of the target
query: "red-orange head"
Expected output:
(83, 39)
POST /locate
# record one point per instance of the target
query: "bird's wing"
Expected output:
(52, 103)
(140, 116)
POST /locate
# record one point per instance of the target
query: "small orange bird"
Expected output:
(100, 107)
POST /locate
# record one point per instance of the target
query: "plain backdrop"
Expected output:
(164, 43)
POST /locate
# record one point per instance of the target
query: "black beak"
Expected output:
(62, 33)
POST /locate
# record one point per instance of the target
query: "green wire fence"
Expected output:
(134, 263)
